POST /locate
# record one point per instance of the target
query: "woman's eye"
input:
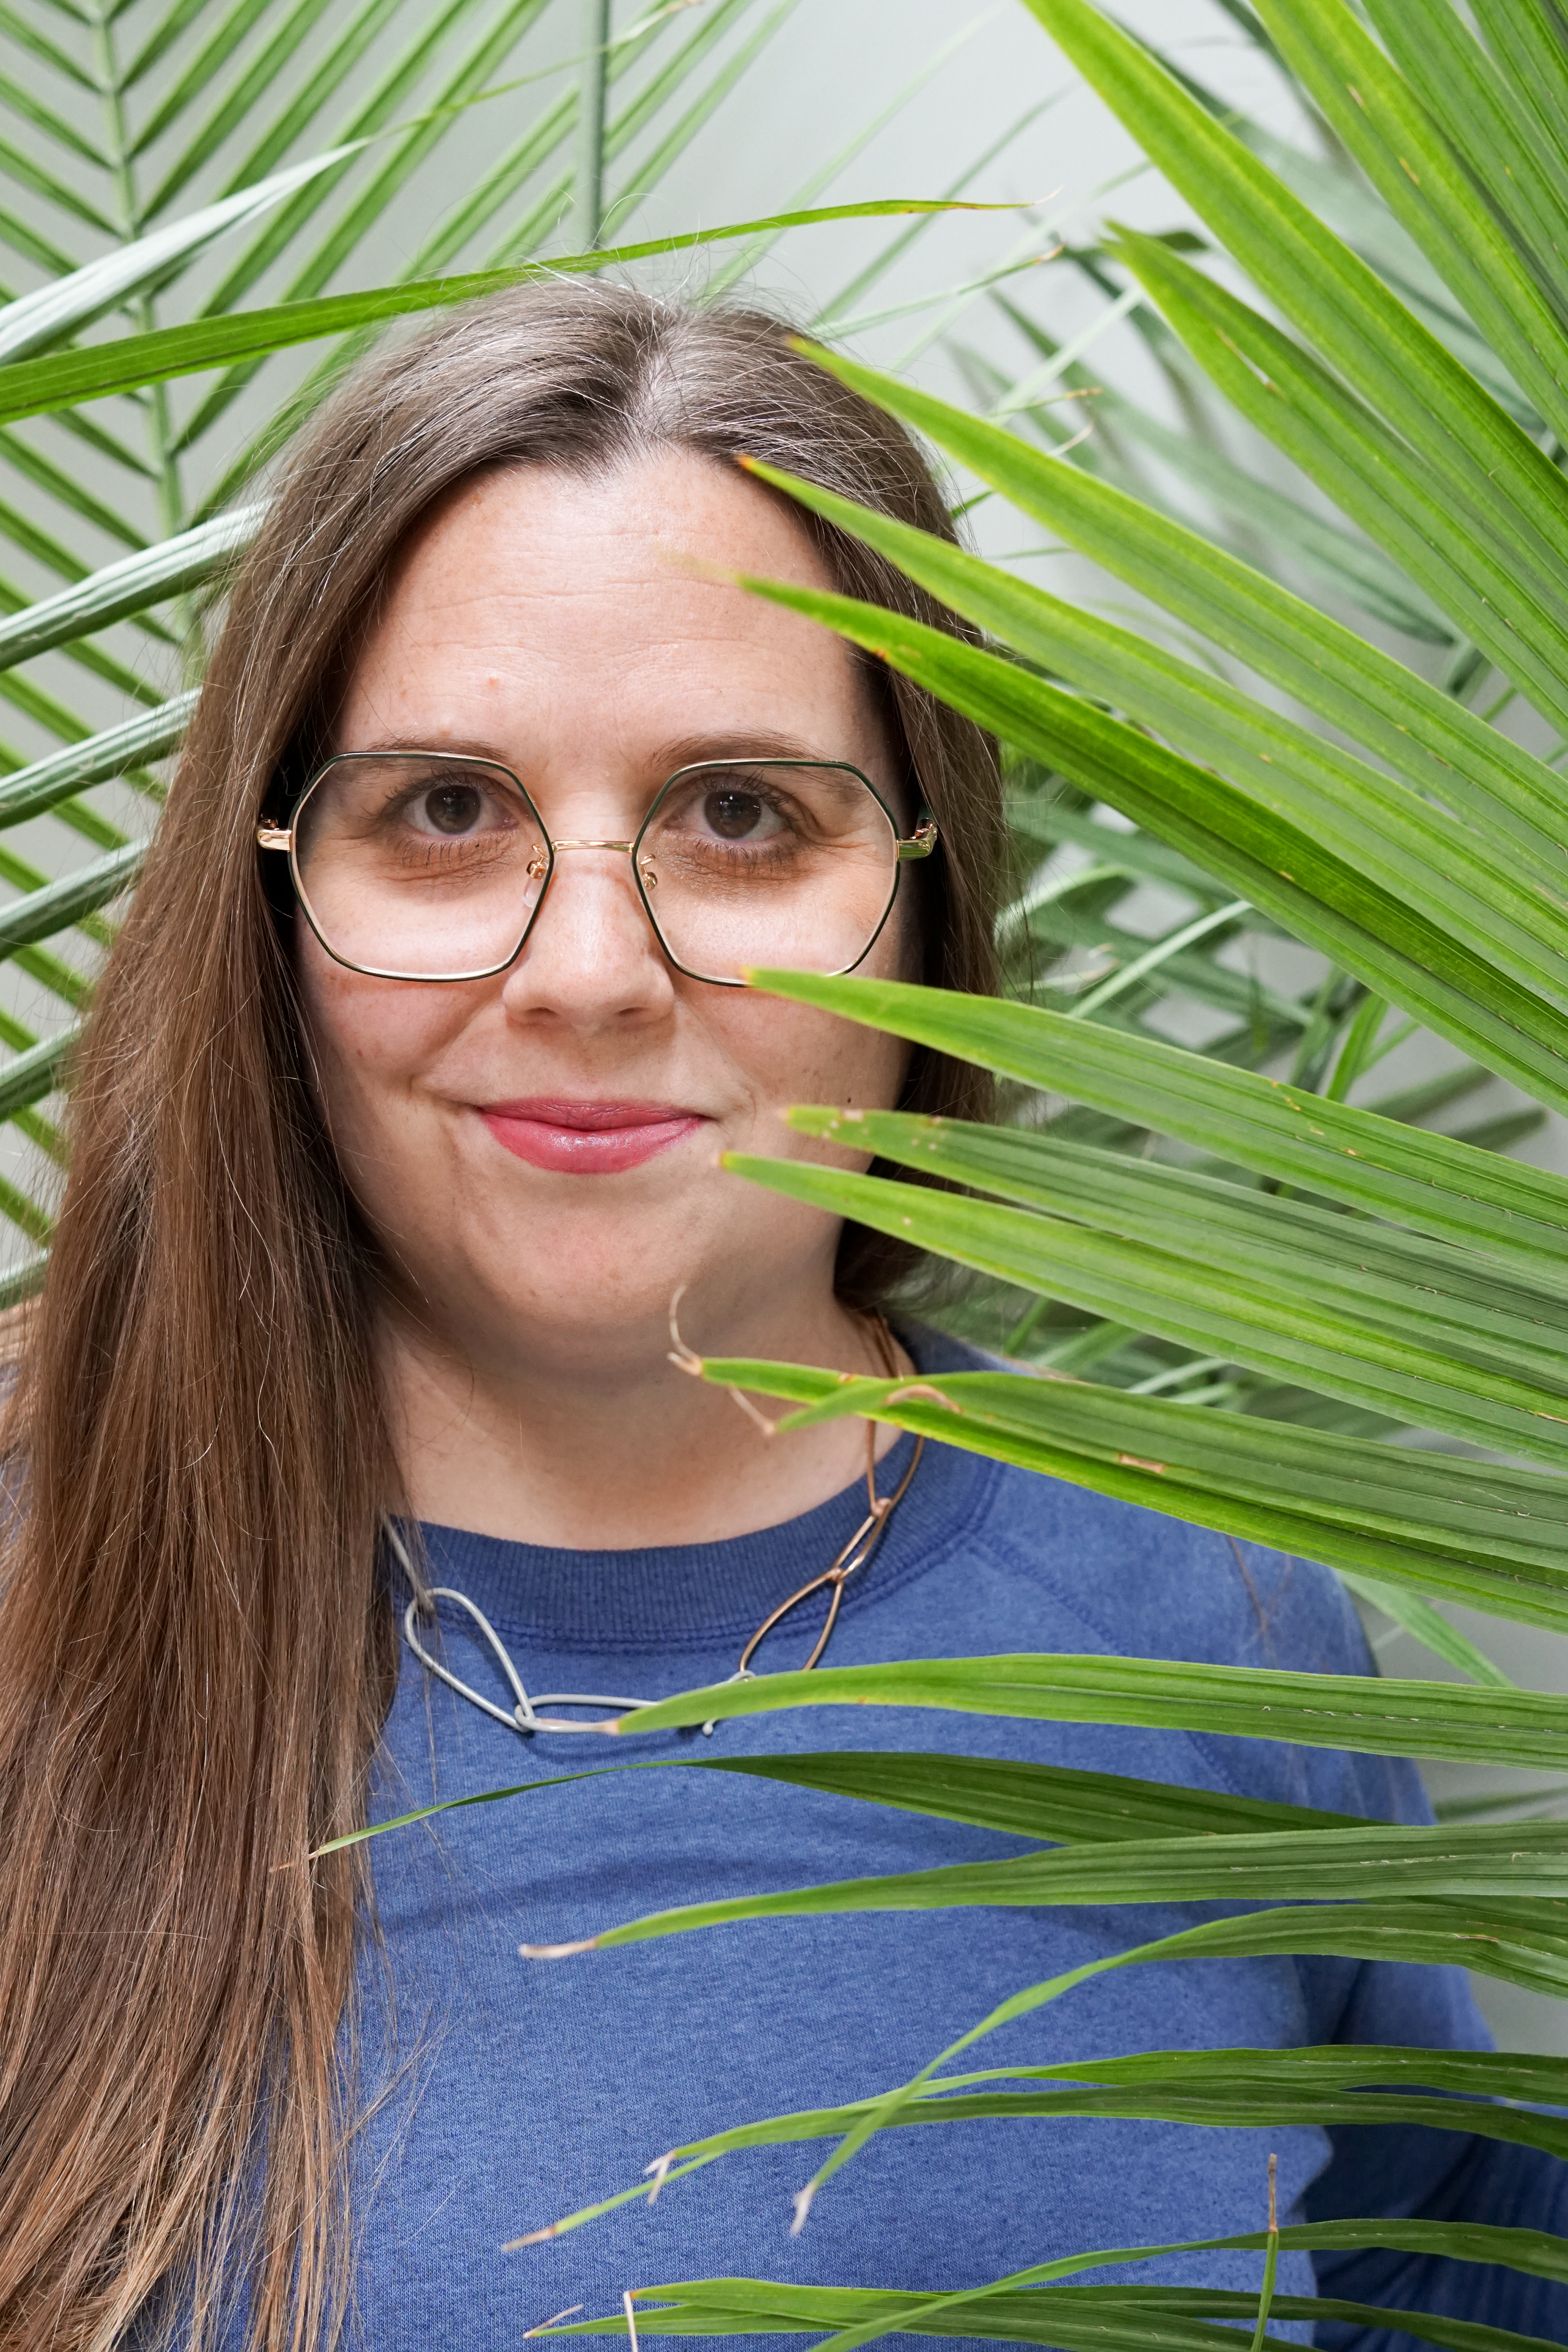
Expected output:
(451, 808)
(739, 817)
(454, 809)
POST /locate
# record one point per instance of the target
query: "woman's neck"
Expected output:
(599, 1442)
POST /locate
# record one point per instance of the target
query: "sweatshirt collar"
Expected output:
(713, 1595)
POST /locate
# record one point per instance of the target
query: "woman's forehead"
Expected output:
(666, 522)
(535, 599)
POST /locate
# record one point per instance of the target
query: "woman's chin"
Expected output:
(555, 1298)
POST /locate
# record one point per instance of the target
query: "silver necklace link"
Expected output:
(525, 1717)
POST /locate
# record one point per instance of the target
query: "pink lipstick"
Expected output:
(587, 1138)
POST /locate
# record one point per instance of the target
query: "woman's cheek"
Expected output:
(794, 1054)
(372, 1040)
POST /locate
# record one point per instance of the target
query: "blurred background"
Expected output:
(118, 122)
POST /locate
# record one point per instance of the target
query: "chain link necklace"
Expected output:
(527, 1714)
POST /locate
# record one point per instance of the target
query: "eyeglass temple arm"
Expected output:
(275, 836)
(921, 843)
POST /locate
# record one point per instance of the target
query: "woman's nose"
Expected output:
(591, 956)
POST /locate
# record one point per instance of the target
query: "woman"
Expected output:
(395, 1133)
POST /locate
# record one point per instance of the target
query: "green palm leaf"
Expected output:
(1459, 1867)
(1485, 461)
(1381, 825)
(1342, 1711)
(1504, 1210)
(1273, 863)
(39, 386)
(1075, 2319)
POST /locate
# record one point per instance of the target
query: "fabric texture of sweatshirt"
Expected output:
(510, 2092)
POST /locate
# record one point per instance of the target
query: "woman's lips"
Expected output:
(587, 1138)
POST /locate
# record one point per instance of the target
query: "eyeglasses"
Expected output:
(434, 866)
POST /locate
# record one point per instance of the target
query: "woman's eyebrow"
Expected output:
(461, 747)
(748, 743)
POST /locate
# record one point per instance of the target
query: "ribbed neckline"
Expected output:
(695, 1596)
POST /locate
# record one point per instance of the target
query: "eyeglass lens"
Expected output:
(425, 867)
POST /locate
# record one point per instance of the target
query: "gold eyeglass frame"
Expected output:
(918, 844)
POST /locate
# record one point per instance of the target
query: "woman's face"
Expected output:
(538, 1151)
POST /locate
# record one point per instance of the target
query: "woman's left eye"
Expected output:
(736, 816)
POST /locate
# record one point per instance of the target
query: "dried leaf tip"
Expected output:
(555, 1952)
(537, 2238)
(802, 2207)
(660, 2170)
(684, 1359)
(768, 1428)
(915, 1392)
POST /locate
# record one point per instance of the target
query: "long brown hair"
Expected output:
(197, 1655)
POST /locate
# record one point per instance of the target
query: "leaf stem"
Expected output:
(588, 199)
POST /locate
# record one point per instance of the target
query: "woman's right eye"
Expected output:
(451, 808)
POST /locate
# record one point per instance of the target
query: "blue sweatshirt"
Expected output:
(512, 2091)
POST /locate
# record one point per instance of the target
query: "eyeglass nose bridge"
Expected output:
(537, 867)
(647, 876)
